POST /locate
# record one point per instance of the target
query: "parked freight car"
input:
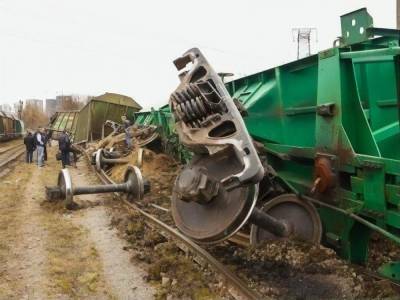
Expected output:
(10, 127)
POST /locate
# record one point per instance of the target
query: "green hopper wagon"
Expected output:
(329, 125)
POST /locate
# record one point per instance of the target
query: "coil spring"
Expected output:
(189, 106)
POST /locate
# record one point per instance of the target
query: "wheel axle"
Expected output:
(134, 187)
(101, 160)
(280, 228)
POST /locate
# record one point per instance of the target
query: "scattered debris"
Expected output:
(294, 269)
(172, 270)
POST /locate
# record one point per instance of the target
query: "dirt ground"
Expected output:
(103, 252)
(296, 270)
(277, 270)
(47, 252)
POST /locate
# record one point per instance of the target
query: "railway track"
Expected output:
(240, 239)
(237, 287)
(241, 290)
(7, 155)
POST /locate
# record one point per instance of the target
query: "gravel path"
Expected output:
(125, 279)
(49, 253)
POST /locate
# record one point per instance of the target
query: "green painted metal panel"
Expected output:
(64, 121)
(87, 124)
(119, 99)
(81, 133)
(342, 104)
(354, 26)
(285, 99)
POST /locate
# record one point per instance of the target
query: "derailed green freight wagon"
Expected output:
(64, 120)
(163, 119)
(100, 109)
(329, 124)
(86, 124)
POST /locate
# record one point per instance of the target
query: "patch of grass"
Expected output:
(11, 195)
(73, 263)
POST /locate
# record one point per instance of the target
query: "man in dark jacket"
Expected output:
(29, 142)
(64, 146)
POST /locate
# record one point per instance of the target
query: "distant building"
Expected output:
(17, 108)
(61, 99)
(70, 102)
(36, 102)
(6, 107)
(51, 107)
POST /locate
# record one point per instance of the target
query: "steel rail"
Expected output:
(13, 156)
(230, 278)
(239, 239)
(5, 150)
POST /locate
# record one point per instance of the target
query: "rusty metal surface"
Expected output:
(101, 159)
(324, 175)
(145, 134)
(134, 187)
(301, 216)
(225, 214)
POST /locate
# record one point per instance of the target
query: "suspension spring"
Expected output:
(190, 106)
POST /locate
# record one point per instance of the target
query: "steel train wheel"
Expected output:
(134, 176)
(228, 211)
(302, 216)
(99, 154)
(216, 222)
(65, 183)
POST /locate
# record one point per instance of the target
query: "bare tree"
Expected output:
(33, 116)
(70, 103)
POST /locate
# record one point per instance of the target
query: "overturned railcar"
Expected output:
(86, 124)
(163, 120)
(329, 125)
(326, 129)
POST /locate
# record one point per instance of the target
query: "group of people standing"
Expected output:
(38, 140)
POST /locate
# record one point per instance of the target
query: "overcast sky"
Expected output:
(50, 47)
